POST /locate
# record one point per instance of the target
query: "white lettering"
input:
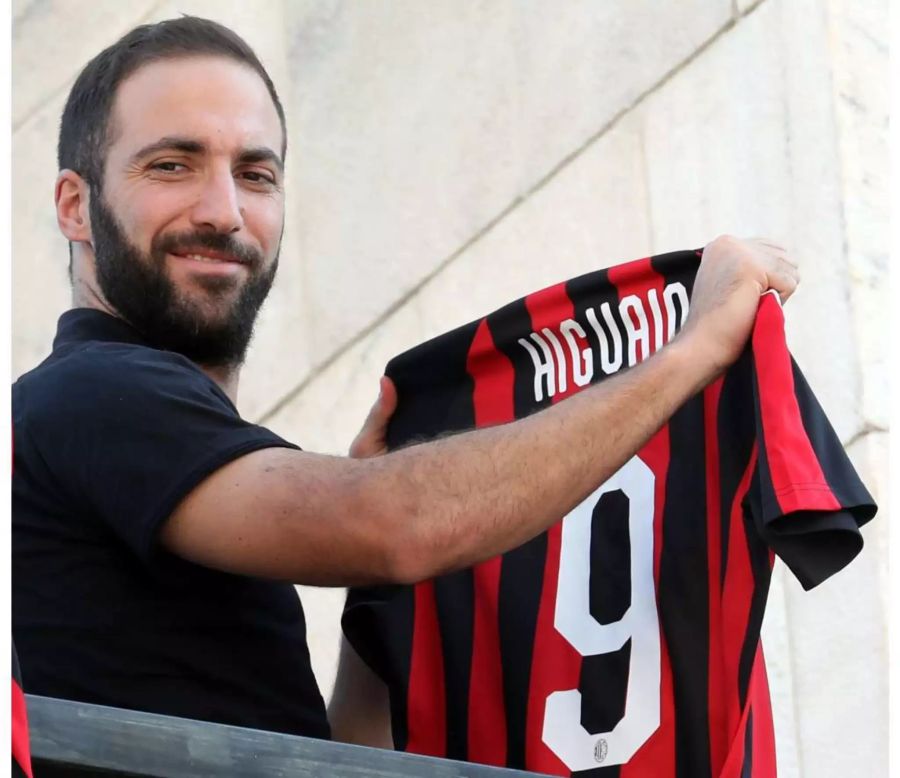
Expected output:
(631, 321)
(582, 376)
(636, 332)
(545, 368)
(669, 294)
(607, 364)
(657, 320)
(561, 383)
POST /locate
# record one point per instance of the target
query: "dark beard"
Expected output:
(137, 286)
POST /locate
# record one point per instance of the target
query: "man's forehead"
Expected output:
(216, 100)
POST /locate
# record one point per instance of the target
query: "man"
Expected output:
(156, 534)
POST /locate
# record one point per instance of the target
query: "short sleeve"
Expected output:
(127, 432)
(807, 500)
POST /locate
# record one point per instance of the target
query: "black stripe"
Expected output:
(435, 397)
(434, 389)
(521, 580)
(683, 584)
(378, 622)
(600, 704)
(677, 266)
(836, 466)
(683, 590)
(747, 769)
(455, 595)
(762, 575)
(522, 572)
(594, 291)
(603, 681)
(737, 427)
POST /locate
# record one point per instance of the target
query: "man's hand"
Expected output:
(733, 274)
(371, 440)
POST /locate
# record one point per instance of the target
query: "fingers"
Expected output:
(783, 276)
(782, 271)
(785, 283)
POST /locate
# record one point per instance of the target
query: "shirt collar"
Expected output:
(85, 324)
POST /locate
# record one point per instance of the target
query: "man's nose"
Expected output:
(217, 206)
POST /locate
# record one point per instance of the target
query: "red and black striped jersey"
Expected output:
(625, 641)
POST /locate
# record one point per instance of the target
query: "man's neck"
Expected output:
(225, 376)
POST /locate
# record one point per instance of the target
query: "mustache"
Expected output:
(187, 242)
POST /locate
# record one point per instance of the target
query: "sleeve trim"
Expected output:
(219, 458)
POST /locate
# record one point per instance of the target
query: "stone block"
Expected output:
(559, 233)
(260, 24)
(743, 141)
(860, 76)
(779, 669)
(53, 40)
(839, 649)
(40, 284)
(407, 150)
(322, 607)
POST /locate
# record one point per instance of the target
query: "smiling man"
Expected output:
(156, 534)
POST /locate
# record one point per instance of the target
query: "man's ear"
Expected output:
(72, 196)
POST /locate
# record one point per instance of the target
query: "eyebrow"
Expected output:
(190, 146)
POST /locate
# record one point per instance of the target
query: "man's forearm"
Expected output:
(450, 503)
(466, 498)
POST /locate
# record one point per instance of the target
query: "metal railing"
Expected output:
(75, 738)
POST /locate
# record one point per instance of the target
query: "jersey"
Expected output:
(624, 641)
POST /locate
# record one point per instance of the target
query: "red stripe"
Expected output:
(762, 744)
(764, 762)
(21, 749)
(737, 596)
(426, 699)
(636, 278)
(555, 664)
(657, 756)
(493, 398)
(797, 477)
(718, 687)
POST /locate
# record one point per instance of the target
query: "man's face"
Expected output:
(187, 228)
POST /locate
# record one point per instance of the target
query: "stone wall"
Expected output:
(447, 157)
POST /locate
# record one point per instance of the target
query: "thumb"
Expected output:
(387, 398)
(371, 439)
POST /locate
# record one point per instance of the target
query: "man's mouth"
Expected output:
(208, 256)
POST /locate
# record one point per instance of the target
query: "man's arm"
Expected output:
(446, 504)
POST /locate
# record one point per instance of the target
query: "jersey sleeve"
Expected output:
(126, 435)
(807, 500)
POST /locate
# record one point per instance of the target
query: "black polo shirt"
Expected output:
(109, 436)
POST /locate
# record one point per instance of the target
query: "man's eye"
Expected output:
(255, 177)
(168, 167)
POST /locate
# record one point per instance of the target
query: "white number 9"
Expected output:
(563, 732)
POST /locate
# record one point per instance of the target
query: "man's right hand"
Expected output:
(733, 274)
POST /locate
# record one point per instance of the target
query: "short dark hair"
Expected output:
(85, 126)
